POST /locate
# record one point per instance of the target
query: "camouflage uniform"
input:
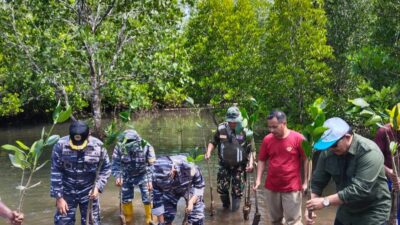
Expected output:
(132, 162)
(187, 182)
(73, 174)
(230, 176)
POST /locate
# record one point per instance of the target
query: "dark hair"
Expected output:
(350, 131)
(279, 115)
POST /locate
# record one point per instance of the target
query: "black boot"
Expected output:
(235, 204)
(226, 203)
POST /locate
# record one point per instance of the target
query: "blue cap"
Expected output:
(337, 128)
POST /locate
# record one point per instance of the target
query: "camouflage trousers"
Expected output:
(195, 217)
(73, 201)
(128, 189)
(231, 178)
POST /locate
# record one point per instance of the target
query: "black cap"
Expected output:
(78, 134)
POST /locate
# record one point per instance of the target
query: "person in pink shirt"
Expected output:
(281, 148)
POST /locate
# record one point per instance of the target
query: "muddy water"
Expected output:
(169, 132)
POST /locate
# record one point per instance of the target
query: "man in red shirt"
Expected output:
(282, 148)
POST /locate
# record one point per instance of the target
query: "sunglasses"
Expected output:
(336, 143)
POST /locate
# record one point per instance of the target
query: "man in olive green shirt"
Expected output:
(356, 166)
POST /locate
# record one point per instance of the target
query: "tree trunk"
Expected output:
(96, 108)
(96, 96)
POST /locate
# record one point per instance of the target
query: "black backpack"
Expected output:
(232, 149)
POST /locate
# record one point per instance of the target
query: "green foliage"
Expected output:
(313, 131)
(295, 56)
(195, 155)
(377, 59)
(51, 50)
(377, 65)
(349, 24)
(60, 116)
(27, 158)
(251, 117)
(149, 54)
(370, 108)
(223, 38)
(10, 104)
(349, 28)
(116, 128)
(376, 117)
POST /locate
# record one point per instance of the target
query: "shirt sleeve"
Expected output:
(158, 206)
(116, 169)
(320, 177)
(215, 140)
(150, 154)
(56, 177)
(368, 169)
(382, 142)
(105, 171)
(198, 183)
(263, 155)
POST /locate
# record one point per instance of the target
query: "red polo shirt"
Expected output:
(284, 161)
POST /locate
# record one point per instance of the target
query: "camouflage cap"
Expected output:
(131, 134)
(233, 115)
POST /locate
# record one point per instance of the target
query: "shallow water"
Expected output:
(169, 132)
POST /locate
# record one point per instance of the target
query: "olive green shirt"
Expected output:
(360, 182)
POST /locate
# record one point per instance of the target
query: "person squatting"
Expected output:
(175, 178)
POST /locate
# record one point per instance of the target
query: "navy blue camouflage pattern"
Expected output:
(73, 174)
(132, 161)
(168, 189)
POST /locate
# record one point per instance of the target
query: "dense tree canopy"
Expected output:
(108, 55)
(224, 41)
(92, 53)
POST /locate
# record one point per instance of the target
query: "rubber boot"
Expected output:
(235, 204)
(127, 210)
(147, 210)
(226, 203)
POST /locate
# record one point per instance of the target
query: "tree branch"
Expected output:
(21, 45)
(106, 13)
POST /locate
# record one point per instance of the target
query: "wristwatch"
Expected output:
(326, 202)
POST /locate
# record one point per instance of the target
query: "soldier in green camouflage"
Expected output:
(234, 156)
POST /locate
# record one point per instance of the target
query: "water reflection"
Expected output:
(169, 132)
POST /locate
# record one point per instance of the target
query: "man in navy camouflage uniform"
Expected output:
(174, 178)
(74, 162)
(132, 160)
(234, 156)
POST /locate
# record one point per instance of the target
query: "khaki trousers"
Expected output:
(284, 205)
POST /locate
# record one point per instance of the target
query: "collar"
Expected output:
(353, 148)
(78, 147)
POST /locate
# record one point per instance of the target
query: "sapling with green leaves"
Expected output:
(28, 158)
(115, 129)
(312, 132)
(248, 123)
(195, 156)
